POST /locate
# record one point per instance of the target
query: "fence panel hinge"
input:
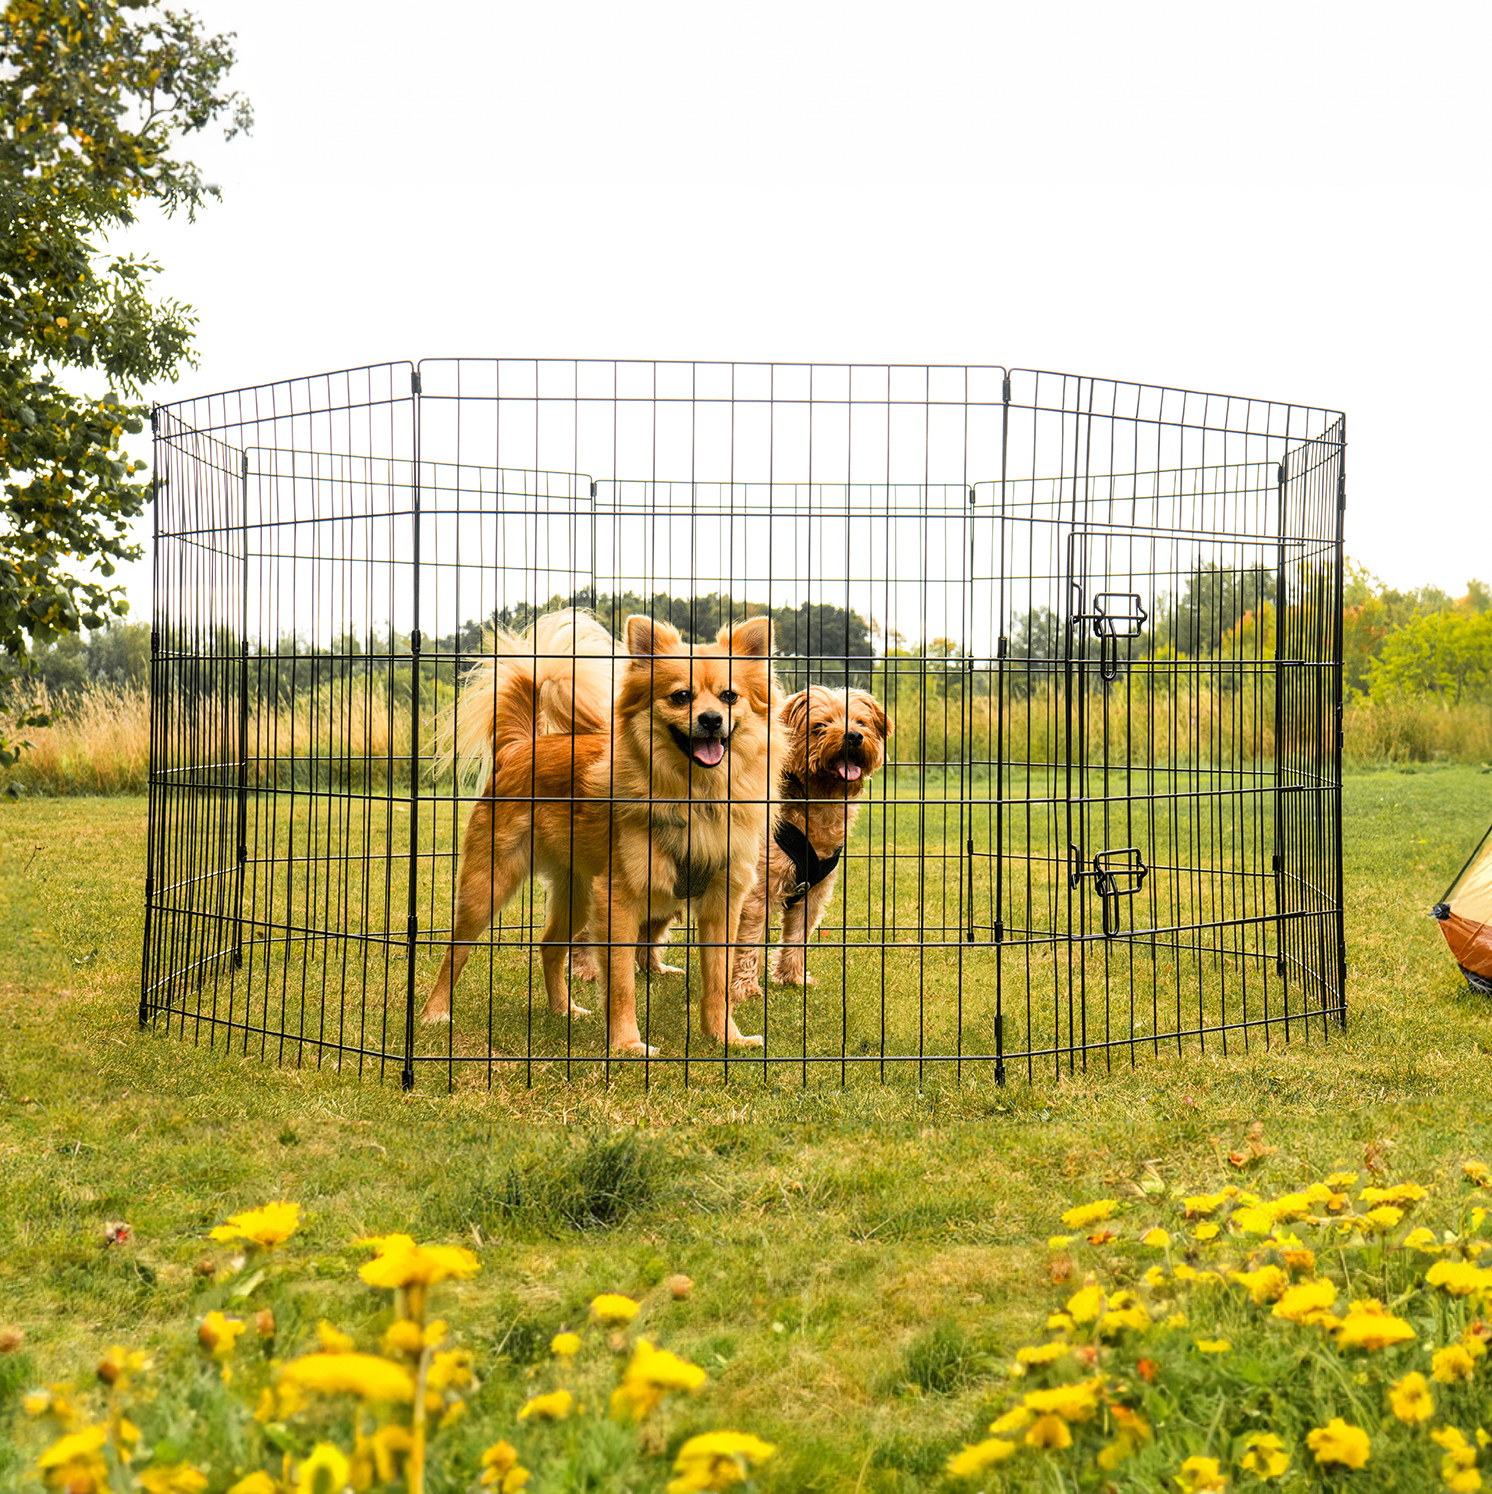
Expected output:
(155, 643)
(155, 419)
(1280, 474)
(414, 381)
(1276, 863)
(414, 928)
(999, 931)
(1002, 648)
(593, 490)
(414, 642)
(972, 499)
(1341, 490)
(1006, 391)
(243, 854)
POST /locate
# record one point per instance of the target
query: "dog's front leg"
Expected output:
(618, 922)
(719, 926)
(790, 964)
(746, 954)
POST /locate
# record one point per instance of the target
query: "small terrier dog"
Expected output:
(835, 742)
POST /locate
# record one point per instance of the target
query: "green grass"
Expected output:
(865, 1258)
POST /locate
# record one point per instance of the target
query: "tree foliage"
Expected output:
(95, 96)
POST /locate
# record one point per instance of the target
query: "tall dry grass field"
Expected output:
(98, 742)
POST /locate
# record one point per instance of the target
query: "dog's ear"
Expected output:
(881, 719)
(647, 637)
(752, 639)
(794, 714)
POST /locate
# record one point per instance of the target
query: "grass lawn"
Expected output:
(865, 1259)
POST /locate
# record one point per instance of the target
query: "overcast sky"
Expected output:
(1287, 201)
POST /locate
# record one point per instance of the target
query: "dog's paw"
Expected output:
(436, 1019)
(584, 966)
(574, 1010)
(661, 969)
(639, 1049)
(745, 991)
(792, 977)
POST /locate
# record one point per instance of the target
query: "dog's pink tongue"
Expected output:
(709, 752)
(849, 770)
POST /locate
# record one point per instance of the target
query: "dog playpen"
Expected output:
(1105, 619)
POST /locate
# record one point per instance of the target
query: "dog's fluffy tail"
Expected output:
(556, 676)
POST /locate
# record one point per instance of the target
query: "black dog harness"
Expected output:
(691, 878)
(811, 869)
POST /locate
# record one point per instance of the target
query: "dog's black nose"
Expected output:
(710, 720)
(853, 739)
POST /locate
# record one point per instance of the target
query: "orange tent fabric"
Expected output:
(1465, 915)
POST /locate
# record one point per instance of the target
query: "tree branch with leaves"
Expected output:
(95, 98)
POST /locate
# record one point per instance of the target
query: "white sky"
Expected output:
(1286, 201)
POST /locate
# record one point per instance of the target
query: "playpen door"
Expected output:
(1170, 689)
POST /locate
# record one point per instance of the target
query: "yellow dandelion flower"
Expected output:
(1012, 1421)
(1305, 1302)
(266, 1227)
(501, 1470)
(1176, 1320)
(1459, 1278)
(1155, 1278)
(980, 1457)
(1294, 1205)
(1077, 1402)
(403, 1337)
(257, 1482)
(1049, 1432)
(1460, 1480)
(565, 1345)
(1059, 1242)
(1201, 1476)
(332, 1339)
(1156, 1239)
(175, 1478)
(1299, 1259)
(1255, 1221)
(218, 1334)
(1085, 1306)
(1401, 1194)
(1203, 1233)
(1452, 1364)
(1424, 1240)
(555, 1406)
(450, 1369)
(1204, 1203)
(364, 1375)
(399, 1263)
(1213, 1345)
(1094, 1213)
(614, 1310)
(1369, 1326)
(1117, 1320)
(326, 1471)
(1411, 1400)
(1339, 1442)
(1265, 1456)
(74, 1446)
(1341, 1180)
(1042, 1353)
(717, 1461)
(1382, 1219)
(1263, 1285)
(1060, 1322)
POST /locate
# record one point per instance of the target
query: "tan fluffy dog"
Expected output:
(658, 800)
(835, 741)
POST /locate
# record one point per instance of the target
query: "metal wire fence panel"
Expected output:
(1102, 821)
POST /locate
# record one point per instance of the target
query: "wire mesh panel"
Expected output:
(1099, 623)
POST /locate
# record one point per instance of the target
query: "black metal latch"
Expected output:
(1115, 615)
(1117, 873)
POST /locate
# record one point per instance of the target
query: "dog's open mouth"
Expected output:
(848, 769)
(708, 752)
